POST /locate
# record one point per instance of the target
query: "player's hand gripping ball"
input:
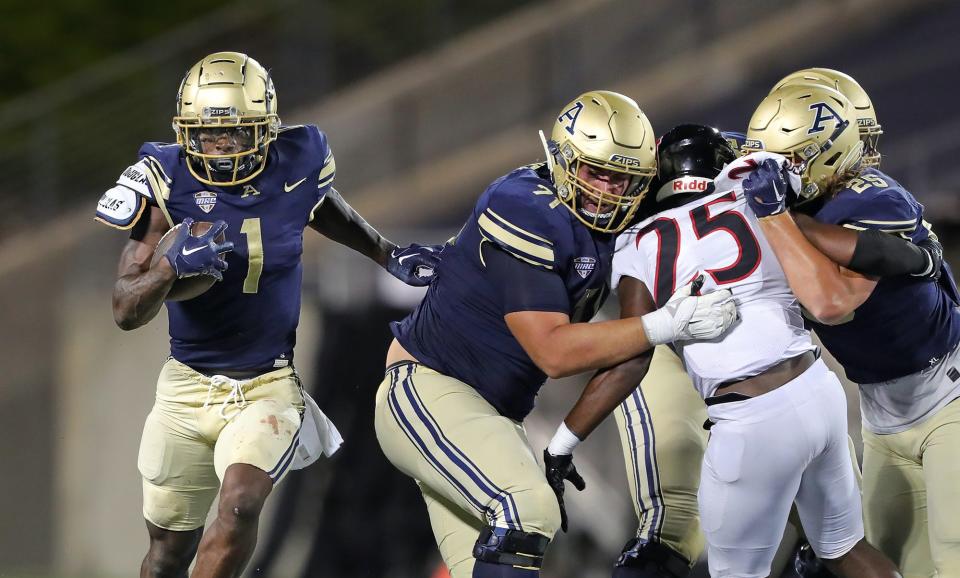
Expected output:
(196, 252)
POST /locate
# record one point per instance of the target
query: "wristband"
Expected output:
(563, 441)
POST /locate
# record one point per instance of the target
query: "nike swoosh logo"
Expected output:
(400, 260)
(186, 251)
(287, 188)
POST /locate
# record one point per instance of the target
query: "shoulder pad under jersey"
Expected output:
(124, 204)
(873, 200)
(520, 214)
(306, 146)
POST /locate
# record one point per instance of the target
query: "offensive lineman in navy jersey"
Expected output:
(230, 413)
(896, 337)
(529, 266)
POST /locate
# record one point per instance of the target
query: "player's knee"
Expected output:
(686, 443)
(240, 506)
(505, 547)
(539, 510)
(165, 568)
(644, 559)
(164, 562)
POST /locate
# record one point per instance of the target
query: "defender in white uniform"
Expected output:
(779, 430)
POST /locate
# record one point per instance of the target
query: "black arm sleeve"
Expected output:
(524, 287)
(880, 254)
(338, 221)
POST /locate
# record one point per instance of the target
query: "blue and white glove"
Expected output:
(766, 189)
(191, 256)
(414, 264)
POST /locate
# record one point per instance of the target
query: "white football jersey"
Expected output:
(719, 236)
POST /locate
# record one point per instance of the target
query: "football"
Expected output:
(188, 287)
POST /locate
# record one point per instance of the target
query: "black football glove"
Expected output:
(190, 256)
(933, 250)
(558, 469)
(415, 264)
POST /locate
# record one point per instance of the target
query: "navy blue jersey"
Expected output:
(906, 324)
(248, 321)
(459, 328)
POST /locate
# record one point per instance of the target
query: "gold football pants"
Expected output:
(663, 440)
(199, 426)
(474, 466)
(911, 495)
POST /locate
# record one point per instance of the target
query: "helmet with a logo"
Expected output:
(814, 127)
(226, 118)
(689, 157)
(605, 131)
(867, 124)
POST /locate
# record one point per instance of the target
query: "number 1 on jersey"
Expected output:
(251, 228)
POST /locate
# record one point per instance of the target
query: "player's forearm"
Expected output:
(338, 221)
(605, 392)
(137, 297)
(814, 278)
(869, 252)
(578, 347)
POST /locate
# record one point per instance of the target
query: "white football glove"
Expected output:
(687, 316)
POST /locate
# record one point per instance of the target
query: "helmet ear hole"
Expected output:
(554, 149)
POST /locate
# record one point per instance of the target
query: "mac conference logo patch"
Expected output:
(584, 265)
(205, 200)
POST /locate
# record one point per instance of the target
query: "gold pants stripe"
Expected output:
(663, 442)
(639, 425)
(287, 458)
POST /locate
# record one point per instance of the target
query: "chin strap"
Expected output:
(551, 162)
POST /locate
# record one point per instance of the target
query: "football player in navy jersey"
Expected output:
(506, 311)
(230, 414)
(744, 492)
(895, 336)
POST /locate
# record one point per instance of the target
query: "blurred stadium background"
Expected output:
(425, 102)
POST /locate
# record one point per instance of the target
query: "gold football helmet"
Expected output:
(870, 130)
(226, 118)
(604, 130)
(811, 125)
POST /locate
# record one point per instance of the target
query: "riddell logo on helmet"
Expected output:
(690, 185)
